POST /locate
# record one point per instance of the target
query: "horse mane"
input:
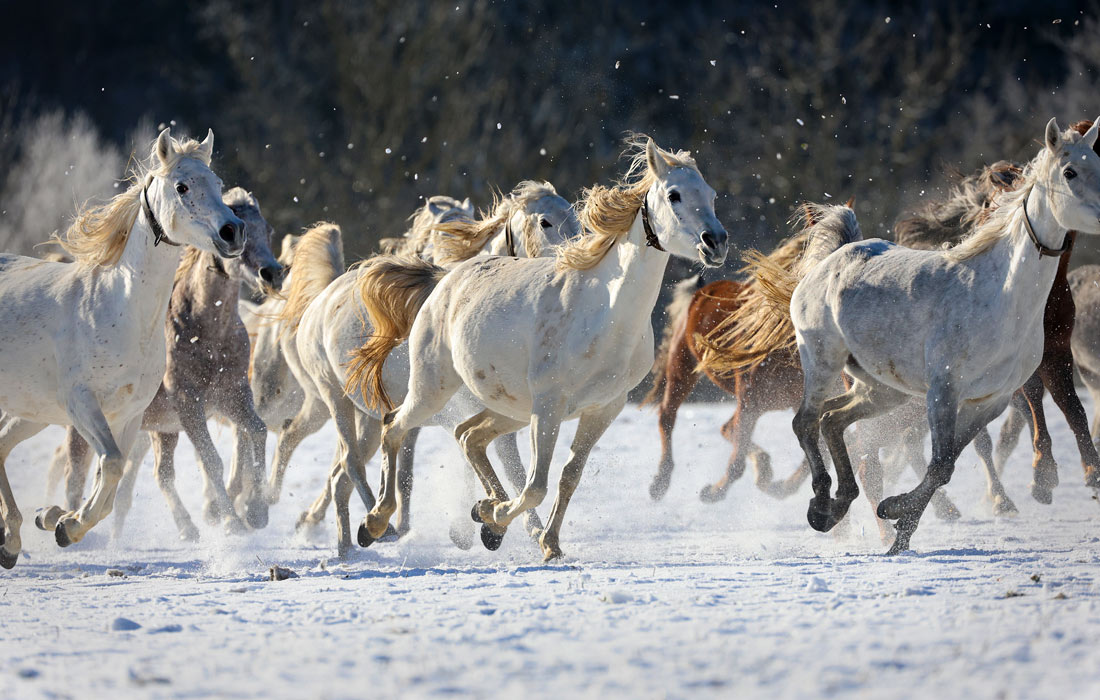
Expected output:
(759, 326)
(946, 222)
(607, 213)
(99, 233)
(463, 239)
(191, 257)
(318, 260)
(997, 224)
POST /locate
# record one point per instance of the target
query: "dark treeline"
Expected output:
(355, 111)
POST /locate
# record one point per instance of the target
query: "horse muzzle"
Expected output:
(230, 239)
(712, 247)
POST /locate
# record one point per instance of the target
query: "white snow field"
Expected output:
(670, 599)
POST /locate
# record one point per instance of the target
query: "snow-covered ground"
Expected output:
(674, 599)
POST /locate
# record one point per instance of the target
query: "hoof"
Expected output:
(659, 487)
(462, 535)
(390, 535)
(890, 508)
(762, 468)
(945, 509)
(256, 515)
(8, 560)
(189, 534)
(235, 526)
(363, 536)
(1042, 493)
(820, 519)
(897, 548)
(551, 553)
(61, 536)
(46, 518)
(710, 494)
(343, 550)
(476, 516)
(490, 539)
(1004, 507)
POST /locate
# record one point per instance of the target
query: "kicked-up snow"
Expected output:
(670, 599)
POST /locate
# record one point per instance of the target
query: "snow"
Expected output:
(673, 599)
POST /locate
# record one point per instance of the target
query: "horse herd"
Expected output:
(530, 314)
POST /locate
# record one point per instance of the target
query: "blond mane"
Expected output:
(318, 259)
(607, 213)
(1005, 205)
(422, 230)
(99, 233)
(463, 239)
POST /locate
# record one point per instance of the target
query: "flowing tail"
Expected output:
(675, 313)
(393, 288)
(762, 324)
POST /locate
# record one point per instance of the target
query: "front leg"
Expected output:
(247, 483)
(1045, 468)
(217, 506)
(1056, 371)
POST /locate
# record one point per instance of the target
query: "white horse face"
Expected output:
(1074, 179)
(554, 219)
(191, 209)
(681, 210)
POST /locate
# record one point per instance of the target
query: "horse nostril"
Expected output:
(228, 233)
(709, 240)
(266, 274)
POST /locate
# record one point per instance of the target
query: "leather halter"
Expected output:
(509, 238)
(651, 239)
(158, 230)
(1044, 250)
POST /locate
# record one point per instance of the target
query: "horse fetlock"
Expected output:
(712, 493)
(376, 522)
(762, 467)
(549, 545)
(68, 531)
(1003, 506)
(46, 518)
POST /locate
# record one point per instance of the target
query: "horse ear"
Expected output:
(811, 214)
(657, 164)
(163, 147)
(851, 201)
(1054, 135)
(436, 207)
(206, 148)
(467, 205)
(1090, 135)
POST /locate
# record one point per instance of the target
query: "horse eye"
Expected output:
(1070, 173)
(181, 188)
(544, 223)
(674, 196)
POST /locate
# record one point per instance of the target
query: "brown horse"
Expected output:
(773, 385)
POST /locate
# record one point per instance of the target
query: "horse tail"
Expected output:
(392, 288)
(762, 325)
(675, 314)
(318, 260)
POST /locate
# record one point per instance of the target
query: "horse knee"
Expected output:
(805, 424)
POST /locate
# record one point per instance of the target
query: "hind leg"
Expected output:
(12, 432)
(1002, 504)
(405, 481)
(474, 436)
(508, 451)
(217, 506)
(1019, 417)
(311, 417)
(76, 474)
(1045, 468)
(738, 431)
(369, 435)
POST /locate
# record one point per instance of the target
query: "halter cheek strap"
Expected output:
(1044, 250)
(158, 230)
(509, 238)
(651, 239)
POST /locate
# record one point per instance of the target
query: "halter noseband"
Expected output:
(1044, 250)
(158, 230)
(651, 239)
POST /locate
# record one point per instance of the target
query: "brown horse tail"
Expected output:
(675, 314)
(393, 288)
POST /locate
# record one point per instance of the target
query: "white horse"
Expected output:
(331, 328)
(84, 341)
(538, 340)
(963, 327)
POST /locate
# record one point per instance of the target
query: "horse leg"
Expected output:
(821, 366)
(474, 436)
(124, 497)
(508, 451)
(590, 428)
(1045, 477)
(12, 432)
(1019, 417)
(315, 514)
(217, 505)
(351, 472)
(76, 474)
(405, 481)
(311, 417)
(545, 425)
(1056, 371)
(56, 472)
(738, 430)
(164, 469)
(680, 379)
(1002, 504)
(864, 400)
(248, 483)
(871, 476)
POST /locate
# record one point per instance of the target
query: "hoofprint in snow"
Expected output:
(673, 599)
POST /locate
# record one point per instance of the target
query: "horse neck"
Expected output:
(633, 273)
(208, 287)
(1027, 275)
(149, 271)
